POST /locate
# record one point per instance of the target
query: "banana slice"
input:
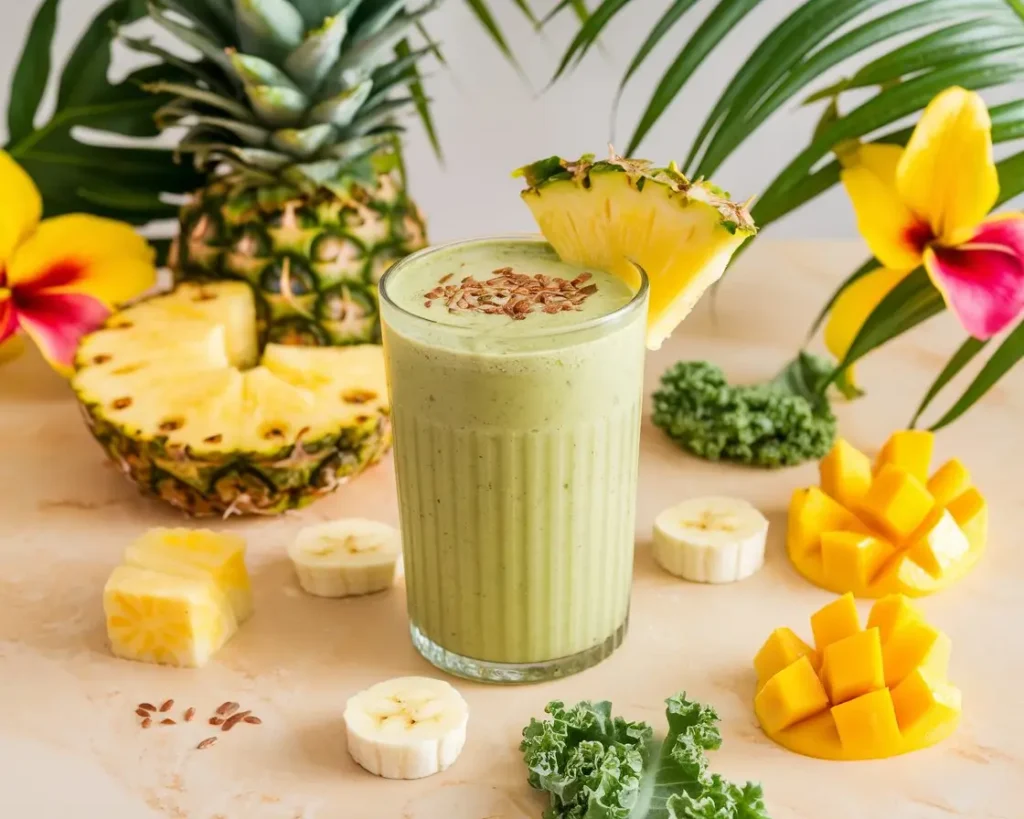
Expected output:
(345, 557)
(406, 728)
(710, 540)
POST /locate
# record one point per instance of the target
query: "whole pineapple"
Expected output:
(291, 110)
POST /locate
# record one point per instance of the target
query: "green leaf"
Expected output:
(810, 24)
(908, 304)
(366, 55)
(1002, 361)
(190, 36)
(342, 108)
(588, 33)
(303, 143)
(869, 266)
(277, 107)
(661, 28)
(310, 63)
(749, 113)
(383, 12)
(419, 97)
(206, 98)
(483, 14)
(32, 74)
(370, 118)
(1011, 178)
(270, 29)
(726, 15)
(961, 358)
(257, 71)
(252, 135)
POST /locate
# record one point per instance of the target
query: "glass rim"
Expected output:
(638, 299)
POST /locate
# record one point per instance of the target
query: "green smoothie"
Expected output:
(516, 385)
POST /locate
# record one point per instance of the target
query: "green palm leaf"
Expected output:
(961, 358)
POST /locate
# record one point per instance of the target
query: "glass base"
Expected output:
(513, 673)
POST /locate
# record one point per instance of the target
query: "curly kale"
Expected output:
(781, 423)
(595, 766)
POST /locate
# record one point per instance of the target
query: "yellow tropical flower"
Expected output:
(60, 277)
(927, 204)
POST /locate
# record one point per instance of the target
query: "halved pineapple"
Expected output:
(174, 391)
(618, 213)
(858, 693)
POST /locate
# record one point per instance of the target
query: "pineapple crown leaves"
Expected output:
(301, 90)
(735, 216)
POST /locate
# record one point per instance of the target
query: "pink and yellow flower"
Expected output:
(60, 277)
(928, 204)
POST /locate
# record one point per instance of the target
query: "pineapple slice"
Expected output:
(622, 213)
(878, 691)
(891, 530)
(200, 553)
(160, 618)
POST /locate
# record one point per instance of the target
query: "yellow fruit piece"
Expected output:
(845, 474)
(891, 613)
(167, 619)
(780, 650)
(853, 666)
(924, 703)
(811, 514)
(909, 450)
(897, 503)
(915, 644)
(950, 481)
(851, 559)
(939, 545)
(200, 553)
(792, 695)
(970, 511)
(867, 726)
(835, 622)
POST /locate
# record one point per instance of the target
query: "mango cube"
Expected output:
(198, 553)
(853, 666)
(970, 511)
(780, 650)
(167, 619)
(897, 503)
(950, 481)
(891, 613)
(845, 474)
(915, 645)
(811, 513)
(910, 450)
(924, 702)
(792, 695)
(835, 622)
(939, 544)
(852, 559)
(867, 725)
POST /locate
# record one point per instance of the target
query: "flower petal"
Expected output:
(12, 348)
(8, 321)
(853, 307)
(982, 280)
(947, 174)
(57, 322)
(21, 206)
(894, 234)
(84, 254)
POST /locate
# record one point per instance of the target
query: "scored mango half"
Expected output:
(886, 527)
(857, 693)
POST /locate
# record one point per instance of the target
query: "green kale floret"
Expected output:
(781, 423)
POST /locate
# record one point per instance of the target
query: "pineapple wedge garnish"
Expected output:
(198, 553)
(154, 617)
(621, 213)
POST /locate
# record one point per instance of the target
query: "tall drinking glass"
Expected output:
(516, 387)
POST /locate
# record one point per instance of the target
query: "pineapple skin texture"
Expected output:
(858, 693)
(313, 260)
(948, 530)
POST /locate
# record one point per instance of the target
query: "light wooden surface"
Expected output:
(70, 744)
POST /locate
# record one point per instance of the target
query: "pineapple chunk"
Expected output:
(845, 474)
(781, 649)
(835, 622)
(950, 481)
(854, 666)
(867, 725)
(910, 450)
(792, 695)
(160, 618)
(897, 502)
(199, 553)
